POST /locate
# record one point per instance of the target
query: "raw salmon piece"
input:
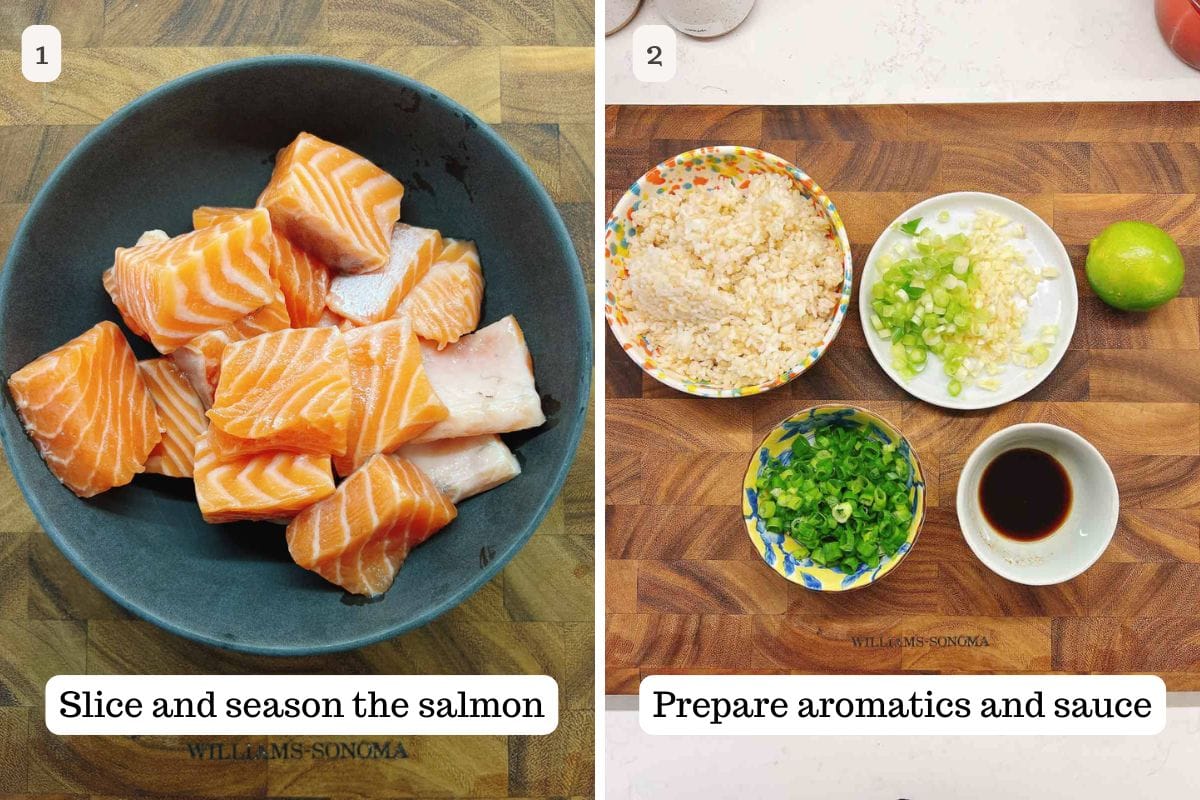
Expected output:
(264, 486)
(200, 362)
(334, 203)
(486, 380)
(444, 305)
(180, 414)
(88, 410)
(305, 282)
(177, 289)
(331, 320)
(109, 279)
(200, 359)
(374, 296)
(463, 468)
(392, 399)
(204, 216)
(271, 317)
(303, 279)
(359, 536)
(284, 390)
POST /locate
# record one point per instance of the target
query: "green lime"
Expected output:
(1134, 266)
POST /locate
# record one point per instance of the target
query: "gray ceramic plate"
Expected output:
(210, 138)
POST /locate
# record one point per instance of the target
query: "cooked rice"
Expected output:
(731, 286)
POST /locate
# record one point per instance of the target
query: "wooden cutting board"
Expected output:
(686, 590)
(500, 60)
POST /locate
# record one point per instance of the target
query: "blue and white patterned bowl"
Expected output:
(780, 551)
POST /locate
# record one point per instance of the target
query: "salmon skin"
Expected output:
(445, 304)
(173, 291)
(88, 410)
(200, 362)
(180, 414)
(375, 296)
(462, 468)
(333, 203)
(392, 400)
(284, 390)
(200, 359)
(302, 278)
(359, 536)
(486, 381)
(263, 486)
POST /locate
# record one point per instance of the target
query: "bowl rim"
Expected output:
(1001, 397)
(912, 543)
(557, 228)
(963, 495)
(679, 383)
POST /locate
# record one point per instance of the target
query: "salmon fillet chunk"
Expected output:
(173, 291)
(392, 401)
(463, 468)
(200, 359)
(109, 279)
(333, 203)
(302, 278)
(88, 410)
(180, 414)
(284, 390)
(375, 296)
(445, 304)
(486, 381)
(359, 536)
(263, 486)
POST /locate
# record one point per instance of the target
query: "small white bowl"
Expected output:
(1083, 536)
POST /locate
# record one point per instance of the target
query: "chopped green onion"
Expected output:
(843, 498)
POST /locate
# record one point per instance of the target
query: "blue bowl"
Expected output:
(783, 553)
(210, 138)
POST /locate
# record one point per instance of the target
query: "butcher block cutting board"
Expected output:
(687, 593)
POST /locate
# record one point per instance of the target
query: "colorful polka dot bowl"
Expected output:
(781, 552)
(689, 172)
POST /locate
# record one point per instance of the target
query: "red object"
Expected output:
(1179, 22)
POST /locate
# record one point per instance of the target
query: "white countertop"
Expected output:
(799, 52)
(643, 767)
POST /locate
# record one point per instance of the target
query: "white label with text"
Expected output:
(883, 705)
(226, 705)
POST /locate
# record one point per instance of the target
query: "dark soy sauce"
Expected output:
(1025, 494)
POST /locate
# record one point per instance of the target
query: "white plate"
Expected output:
(1056, 301)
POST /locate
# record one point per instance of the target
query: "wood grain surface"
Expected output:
(535, 617)
(686, 590)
